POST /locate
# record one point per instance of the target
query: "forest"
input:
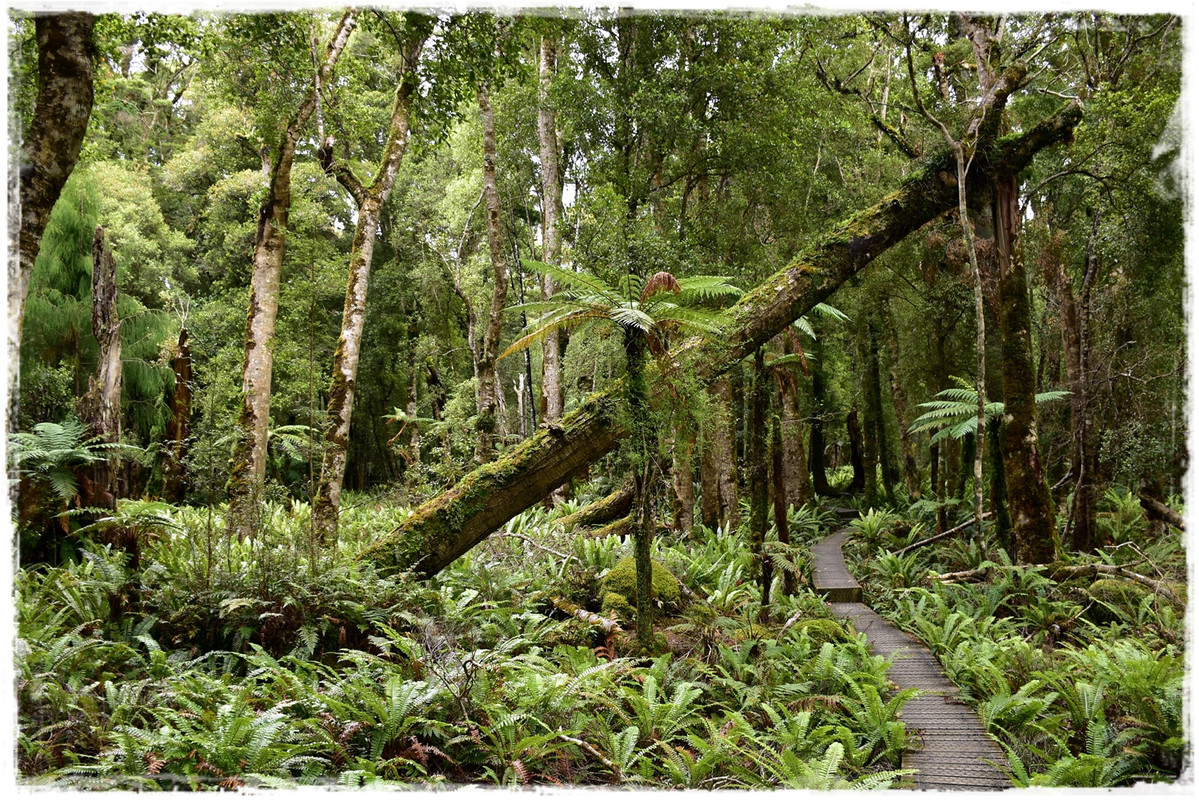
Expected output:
(417, 398)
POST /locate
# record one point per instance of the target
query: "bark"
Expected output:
(718, 466)
(911, 474)
(100, 408)
(174, 467)
(488, 387)
(683, 481)
(644, 444)
(778, 474)
(797, 483)
(614, 506)
(999, 494)
(817, 445)
(248, 462)
(857, 458)
(1157, 510)
(458, 519)
(759, 489)
(552, 395)
(64, 104)
(370, 200)
(1028, 496)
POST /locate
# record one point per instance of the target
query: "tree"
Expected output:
(645, 312)
(455, 521)
(369, 200)
(51, 148)
(248, 463)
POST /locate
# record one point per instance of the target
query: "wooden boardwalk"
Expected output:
(955, 753)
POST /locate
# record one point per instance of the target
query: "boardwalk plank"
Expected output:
(953, 751)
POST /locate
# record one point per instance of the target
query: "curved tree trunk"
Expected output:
(51, 148)
(370, 200)
(247, 466)
(451, 524)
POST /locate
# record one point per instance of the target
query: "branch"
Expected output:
(941, 535)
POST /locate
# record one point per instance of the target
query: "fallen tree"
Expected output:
(452, 523)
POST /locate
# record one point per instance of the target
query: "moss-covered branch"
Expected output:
(458, 519)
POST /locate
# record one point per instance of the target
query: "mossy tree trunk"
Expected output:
(65, 93)
(795, 461)
(817, 443)
(759, 489)
(247, 466)
(778, 473)
(644, 448)
(718, 464)
(857, 453)
(1028, 496)
(369, 200)
(452, 523)
(683, 479)
(911, 475)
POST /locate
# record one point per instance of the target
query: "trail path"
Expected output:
(955, 752)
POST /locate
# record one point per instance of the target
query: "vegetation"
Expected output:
(379, 418)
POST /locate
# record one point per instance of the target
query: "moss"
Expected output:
(821, 630)
(1110, 593)
(614, 603)
(622, 580)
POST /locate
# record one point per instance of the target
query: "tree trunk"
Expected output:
(174, 466)
(718, 466)
(644, 447)
(100, 408)
(779, 480)
(614, 506)
(370, 202)
(857, 457)
(488, 387)
(683, 480)
(1028, 496)
(817, 445)
(552, 394)
(798, 484)
(451, 524)
(759, 489)
(911, 474)
(64, 104)
(247, 466)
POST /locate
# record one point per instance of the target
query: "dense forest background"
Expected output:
(348, 258)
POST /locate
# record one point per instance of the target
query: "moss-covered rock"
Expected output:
(622, 580)
(821, 630)
(617, 605)
(1110, 594)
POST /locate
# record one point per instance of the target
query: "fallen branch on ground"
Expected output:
(940, 535)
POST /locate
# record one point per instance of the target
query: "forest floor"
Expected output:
(251, 663)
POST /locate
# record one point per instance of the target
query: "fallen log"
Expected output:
(452, 523)
(610, 508)
(1157, 510)
(941, 535)
(1065, 572)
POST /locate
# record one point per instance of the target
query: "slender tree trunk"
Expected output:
(886, 457)
(100, 408)
(64, 104)
(817, 446)
(247, 466)
(370, 200)
(642, 435)
(759, 489)
(452, 523)
(857, 459)
(552, 394)
(779, 480)
(174, 466)
(1028, 496)
(488, 387)
(911, 474)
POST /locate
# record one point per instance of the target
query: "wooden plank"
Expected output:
(951, 748)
